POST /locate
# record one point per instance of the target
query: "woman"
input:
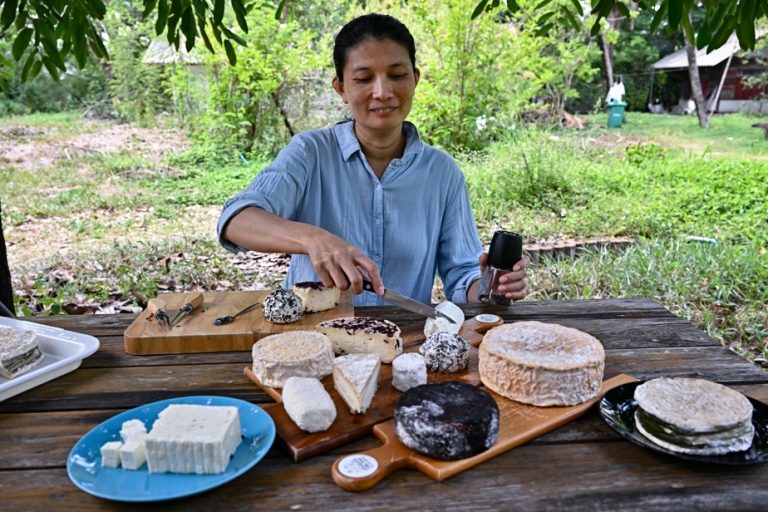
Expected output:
(366, 198)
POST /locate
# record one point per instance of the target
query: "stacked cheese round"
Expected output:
(280, 356)
(542, 364)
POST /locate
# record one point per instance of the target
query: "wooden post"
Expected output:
(6, 290)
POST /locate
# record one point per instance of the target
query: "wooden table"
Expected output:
(581, 466)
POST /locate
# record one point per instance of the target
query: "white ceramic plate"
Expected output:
(62, 351)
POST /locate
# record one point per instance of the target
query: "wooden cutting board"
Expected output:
(518, 424)
(348, 427)
(197, 333)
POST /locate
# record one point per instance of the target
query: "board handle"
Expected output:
(473, 329)
(361, 471)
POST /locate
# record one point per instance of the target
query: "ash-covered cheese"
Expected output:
(441, 324)
(317, 297)
(308, 404)
(541, 364)
(282, 307)
(445, 352)
(110, 454)
(447, 420)
(19, 351)
(280, 356)
(190, 438)
(356, 378)
(408, 371)
(363, 335)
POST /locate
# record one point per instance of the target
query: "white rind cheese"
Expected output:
(316, 297)
(363, 335)
(110, 454)
(356, 378)
(440, 324)
(542, 364)
(408, 371)
(280, 356)
(308, 404)
(19, 352)
(188, 438)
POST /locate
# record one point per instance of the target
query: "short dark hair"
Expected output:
(373, 26)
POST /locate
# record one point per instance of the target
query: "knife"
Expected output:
(407, 303)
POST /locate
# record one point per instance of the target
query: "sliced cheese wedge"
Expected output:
(356, 378)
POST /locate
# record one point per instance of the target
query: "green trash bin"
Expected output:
(616, 113)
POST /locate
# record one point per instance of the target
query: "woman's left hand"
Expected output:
(512, 283)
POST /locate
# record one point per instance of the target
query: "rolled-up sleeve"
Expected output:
(278, 189)
(460, 247)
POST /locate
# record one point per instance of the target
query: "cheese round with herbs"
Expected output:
(282, 306)
(541, 364)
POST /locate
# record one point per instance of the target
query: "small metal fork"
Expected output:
(157, 307)
(223, 320)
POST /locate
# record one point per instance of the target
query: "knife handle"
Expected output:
(368, 286)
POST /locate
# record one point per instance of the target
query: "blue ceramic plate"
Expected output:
(84, 461)
(618, 407)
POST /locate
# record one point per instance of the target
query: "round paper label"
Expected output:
(358, 466)
(487, 318)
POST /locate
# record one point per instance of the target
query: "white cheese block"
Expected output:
(19, 352)
(408, 371)
(316, 297)
(280, 356)
(131, 427)
(541, 364)
(188, 438)
(110, 454)
(440, 324)
(132, 452)
(308, 404)
(356, 378)
(363, 335)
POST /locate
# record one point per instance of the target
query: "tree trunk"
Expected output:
(696, 91)
(6, 290)
(607, 49)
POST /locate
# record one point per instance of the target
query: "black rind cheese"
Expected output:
(282, 306)
(447, 420)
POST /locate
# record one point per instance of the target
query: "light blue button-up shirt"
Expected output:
(414, 222)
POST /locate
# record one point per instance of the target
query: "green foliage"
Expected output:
(643, 153)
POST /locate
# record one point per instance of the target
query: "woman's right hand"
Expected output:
(341, 264)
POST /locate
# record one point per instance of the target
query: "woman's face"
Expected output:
(379, 82)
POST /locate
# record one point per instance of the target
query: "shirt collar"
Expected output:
(349, 144)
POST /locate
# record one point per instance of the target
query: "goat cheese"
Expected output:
(110, 454)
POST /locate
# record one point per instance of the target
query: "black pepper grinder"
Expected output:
(506, 250)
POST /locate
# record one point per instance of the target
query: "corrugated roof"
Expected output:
(704, 59)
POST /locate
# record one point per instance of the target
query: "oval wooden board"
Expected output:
(197, 333)
(518, 424)
(348, 427)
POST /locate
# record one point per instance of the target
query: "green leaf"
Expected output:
(623, 9)
(21, 19)
(239, 9)
(513, 6)
(162, 16)
(216, 33)
(95, 42)
(578, 7)
(5, 63)
(36, 67)
(218, 11)
(8, 13)
(690, 35)
(281, 6)
(149, 6)
(704, 35)
(28, 65)
(232, 35)
(230, 52)
(188, 27)
(21, 43)
(596, 26)
(51, 67)
(479, 9)
(659, 16)
(204, 35)
(543, 4)
(675, 13)
(571, 18)
(603, 8)
(79, 44)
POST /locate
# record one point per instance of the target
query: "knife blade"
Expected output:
(407, 303)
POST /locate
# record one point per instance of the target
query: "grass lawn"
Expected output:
(95, 226)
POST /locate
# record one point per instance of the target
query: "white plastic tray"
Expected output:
(62, 353)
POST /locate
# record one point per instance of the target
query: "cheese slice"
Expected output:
(356, 378)
(190, 438)
(541, 364)
(308, 404)
(363, 335)
(441, 324)
(280, 356)
(316, 297)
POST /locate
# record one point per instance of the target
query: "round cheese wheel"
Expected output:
(280, 356)
(282, 306)
(445, 352)
(447, 420)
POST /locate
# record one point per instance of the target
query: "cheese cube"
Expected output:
(189, 438)
(110, 454)
(130, 427)
(132, 453)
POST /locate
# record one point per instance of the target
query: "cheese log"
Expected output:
(189, 438)
(440, 324)
(408, 371)
(19, 352)
(308, 404)
(447, 420)
(356, 378)
(541, 364)
(282, 307)
(363, 335)
(280, 356)
(445, 352)
(110, 454)
(316, 297)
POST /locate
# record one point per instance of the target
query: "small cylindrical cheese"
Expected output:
(408, 371)
(308, 404)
